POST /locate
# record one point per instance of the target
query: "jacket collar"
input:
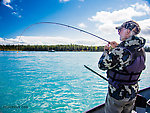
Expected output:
(133, 42)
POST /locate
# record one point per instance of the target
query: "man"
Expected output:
(124, 65)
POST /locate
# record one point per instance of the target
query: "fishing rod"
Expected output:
(98, 73)
(95, 72)
(65, 25)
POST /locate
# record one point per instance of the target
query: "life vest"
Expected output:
(131, 73)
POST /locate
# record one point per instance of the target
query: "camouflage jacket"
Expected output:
(118, 59)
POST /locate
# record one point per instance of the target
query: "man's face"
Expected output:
(122, 32)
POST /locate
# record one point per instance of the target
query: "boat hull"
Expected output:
(144, 93)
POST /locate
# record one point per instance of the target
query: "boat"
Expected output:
(142, 104)
(51, 50)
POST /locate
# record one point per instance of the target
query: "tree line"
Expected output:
(70, 47)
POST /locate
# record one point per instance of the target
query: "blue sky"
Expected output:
(97, 16)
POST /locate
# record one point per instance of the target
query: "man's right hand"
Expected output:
(113, 44)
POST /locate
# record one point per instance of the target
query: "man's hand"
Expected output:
(113, 44)
(106, 47)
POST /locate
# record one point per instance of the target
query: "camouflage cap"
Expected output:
(131, 25)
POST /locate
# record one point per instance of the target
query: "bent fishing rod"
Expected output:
(65, 25)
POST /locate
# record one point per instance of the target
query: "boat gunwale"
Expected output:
(102, 105)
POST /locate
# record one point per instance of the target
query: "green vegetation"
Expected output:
(71, 47)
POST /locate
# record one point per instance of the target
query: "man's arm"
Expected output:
(118, 58)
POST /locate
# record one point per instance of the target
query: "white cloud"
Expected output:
(1, 41)
(17, 14)
(46, 40)
(145, 29)
(82, 25)
(142, 7)
(7, 3)
(14, 9)
(10, 41)
(117, 16)
(64, 0)
(107, 21)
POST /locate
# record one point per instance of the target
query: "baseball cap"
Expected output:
(131, 25)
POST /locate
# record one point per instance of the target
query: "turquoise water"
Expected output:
(53, 82)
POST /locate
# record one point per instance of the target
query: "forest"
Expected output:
(70, 47)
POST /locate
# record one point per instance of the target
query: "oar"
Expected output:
(95, 72)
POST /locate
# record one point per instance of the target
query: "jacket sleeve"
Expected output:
(117, 59)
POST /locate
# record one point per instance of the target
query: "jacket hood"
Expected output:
(133, 42)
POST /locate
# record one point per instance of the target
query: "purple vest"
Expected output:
(131, 73)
